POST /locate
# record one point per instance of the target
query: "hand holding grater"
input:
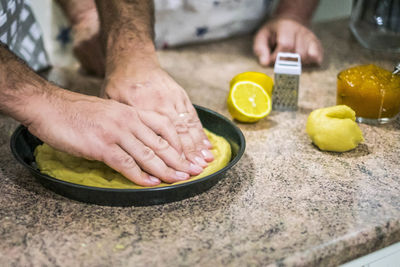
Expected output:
(287, 76)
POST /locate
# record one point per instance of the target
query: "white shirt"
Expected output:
(188, 21)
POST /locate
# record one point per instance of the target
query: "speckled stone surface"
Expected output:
(285, 203)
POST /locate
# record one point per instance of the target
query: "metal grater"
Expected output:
(287, 76)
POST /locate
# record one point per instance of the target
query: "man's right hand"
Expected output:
(134, 142)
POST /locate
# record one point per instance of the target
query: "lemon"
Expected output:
(334, 128)
(249, 98)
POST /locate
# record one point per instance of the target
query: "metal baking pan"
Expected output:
(23, 144)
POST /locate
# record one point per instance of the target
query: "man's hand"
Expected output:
(152, 89)
(134, 76)
(132, 141)
(288, 32)
(286, 35)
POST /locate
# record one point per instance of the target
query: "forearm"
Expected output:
(76, 10)
(20, 88)
(127, 32)
(299, 10)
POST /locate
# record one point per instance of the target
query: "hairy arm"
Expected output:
(75, 10)
(134, 76)
(288, 31)
(298, 10)
(84, 20)
(125, 138)
(20, 88)
(127, 32)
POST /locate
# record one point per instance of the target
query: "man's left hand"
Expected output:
(286, 35)
(151, 88)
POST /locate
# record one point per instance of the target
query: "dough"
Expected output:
(334, 128)
(76, 170)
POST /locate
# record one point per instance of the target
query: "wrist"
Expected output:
(85, 26)
(130, 62)
(292, 17)
(78, 11)
(24, 103)
(300, 11)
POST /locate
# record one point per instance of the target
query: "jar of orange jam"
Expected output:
(372, 92)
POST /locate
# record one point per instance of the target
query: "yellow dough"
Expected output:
(334, 128)
(76, 170)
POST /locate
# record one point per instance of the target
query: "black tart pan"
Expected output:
(23, 144)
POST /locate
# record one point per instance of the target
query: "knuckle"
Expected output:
(193, 121)
(181, 127)
(188, 148)
(125, 161)
(106, 135)
(286, 45)
(147, 154)
(162, 144)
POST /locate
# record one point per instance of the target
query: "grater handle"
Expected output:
(288, 66)
(289, 55)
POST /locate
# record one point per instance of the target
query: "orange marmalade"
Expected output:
(372, 92)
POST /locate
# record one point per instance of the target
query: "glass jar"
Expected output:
(372, 92)
(376, 24)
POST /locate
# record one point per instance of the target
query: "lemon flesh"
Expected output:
(334, 128)
(248, 101)
(76, 170)
(259, 78)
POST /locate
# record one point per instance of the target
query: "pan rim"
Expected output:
(173, 187)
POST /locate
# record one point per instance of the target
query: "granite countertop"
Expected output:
(285, 203)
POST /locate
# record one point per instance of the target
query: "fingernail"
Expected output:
(207, 143)
(200, 161)
(207, 154)
(154, 179)
(195, 169)
(181, 175)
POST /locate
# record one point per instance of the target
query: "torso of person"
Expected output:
(181, 22)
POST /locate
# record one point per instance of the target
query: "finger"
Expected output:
(165, 152)
(149, 162)
(197, 132)
(261, 46)
(184, 123)
(302, 47)
(123, 163)
(188, 146)
(315, 52)
(162, 126)
(197, 123)
(285, 42)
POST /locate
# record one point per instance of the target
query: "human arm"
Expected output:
(84, 20)
(288, 31)
(131, 141)
(134, 76)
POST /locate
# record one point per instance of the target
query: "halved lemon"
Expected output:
(249, 99)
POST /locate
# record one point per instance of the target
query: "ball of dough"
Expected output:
(334, 128)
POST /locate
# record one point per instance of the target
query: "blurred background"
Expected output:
(57, 32)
